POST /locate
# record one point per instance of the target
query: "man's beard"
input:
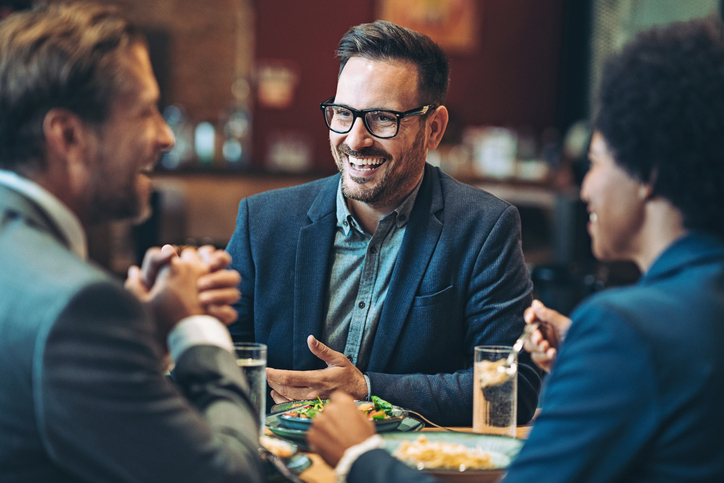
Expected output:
(109, 201)
(388, 188)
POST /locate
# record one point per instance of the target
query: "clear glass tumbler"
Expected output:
(251, 359)
(495, 394)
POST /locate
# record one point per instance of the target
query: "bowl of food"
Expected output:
(455, 457)
(386, 416)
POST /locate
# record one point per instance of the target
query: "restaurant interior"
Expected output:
(241, 82)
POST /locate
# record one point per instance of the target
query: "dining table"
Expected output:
(321, 472)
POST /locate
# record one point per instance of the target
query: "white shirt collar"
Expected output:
(66, 221)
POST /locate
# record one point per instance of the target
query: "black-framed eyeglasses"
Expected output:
(380, 123)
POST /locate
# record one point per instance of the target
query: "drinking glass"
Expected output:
(251, 359)
(495, 395)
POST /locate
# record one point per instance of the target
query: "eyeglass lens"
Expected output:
(379, 123)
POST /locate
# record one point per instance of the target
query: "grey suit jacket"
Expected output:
(83, 395)
(459, 281)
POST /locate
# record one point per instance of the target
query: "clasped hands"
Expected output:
(194, 282)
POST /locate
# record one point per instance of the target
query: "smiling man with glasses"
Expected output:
(382, 279)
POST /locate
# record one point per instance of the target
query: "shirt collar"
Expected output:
(345, 220)
(66, 221)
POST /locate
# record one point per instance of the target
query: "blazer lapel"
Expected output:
(421, 236)
(312, 273)
(15, 204)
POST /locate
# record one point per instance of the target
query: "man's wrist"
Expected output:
(353, 452)
(198, 330)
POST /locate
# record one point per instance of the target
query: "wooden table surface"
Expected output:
(321, 472)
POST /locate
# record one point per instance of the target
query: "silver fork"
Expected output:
(529, 329)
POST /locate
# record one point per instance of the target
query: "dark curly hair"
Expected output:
(661, 112)
(383, 40)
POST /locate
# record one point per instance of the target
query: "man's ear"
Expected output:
(66, 137)
(436, 126)
(68, 157)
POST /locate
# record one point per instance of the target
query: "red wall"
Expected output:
(510, 79)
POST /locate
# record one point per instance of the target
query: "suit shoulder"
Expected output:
(465, 194)
(299, 193)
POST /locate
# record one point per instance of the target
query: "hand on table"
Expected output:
(543, 344)
(339, 374)
(340, 426)
(217, 288)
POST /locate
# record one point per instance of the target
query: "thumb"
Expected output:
(542, 312)
(133, 283)
(331, 357)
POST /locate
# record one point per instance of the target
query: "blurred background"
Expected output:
(241, 83)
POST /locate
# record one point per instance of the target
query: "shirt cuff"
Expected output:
(369, 388)
(353, 452)
(198, 330)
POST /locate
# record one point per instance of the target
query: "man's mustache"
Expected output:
(363, 153)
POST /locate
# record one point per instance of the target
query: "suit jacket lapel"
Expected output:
(311, 273)
(421, 236)
(15, 204)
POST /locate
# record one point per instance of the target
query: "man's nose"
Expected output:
(359, 137)
(166, 137)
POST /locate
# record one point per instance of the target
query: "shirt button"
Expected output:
(373, 250)
(345, 223)
(350, 359)
(361, 305)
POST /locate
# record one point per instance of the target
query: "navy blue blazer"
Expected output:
(459, 281)
(637, 389)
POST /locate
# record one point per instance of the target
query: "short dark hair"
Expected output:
(383, 40)
(661, 112)
(59, 56)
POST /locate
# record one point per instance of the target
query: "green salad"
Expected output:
(376, 409)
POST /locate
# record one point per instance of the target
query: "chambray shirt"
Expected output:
(361, 273)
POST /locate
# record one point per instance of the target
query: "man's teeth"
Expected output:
(366, 162)
(592, 217)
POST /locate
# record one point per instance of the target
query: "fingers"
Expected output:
(340, 426)
(544, 360)
(225, 313)
(216, 259)
(342, 398)
(220, 279)
(331, 357)
(134, 284)
(221, 296)
(292, 385)
(278, 398)
(154, 259)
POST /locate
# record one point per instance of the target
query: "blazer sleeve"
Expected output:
(239, 248)
(599, 408)
(107, 412)
(498, 292)
(379, 465)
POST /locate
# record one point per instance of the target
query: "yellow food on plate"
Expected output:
(425, 454)
(277, 447)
